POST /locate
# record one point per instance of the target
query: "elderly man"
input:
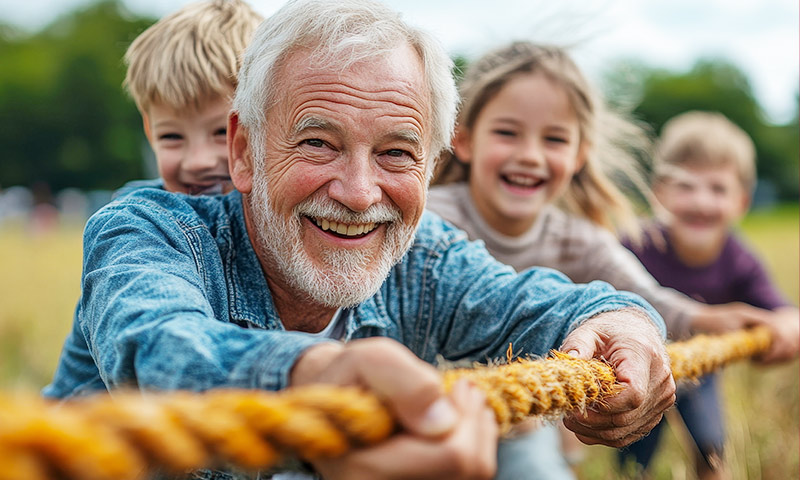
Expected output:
(340, 112)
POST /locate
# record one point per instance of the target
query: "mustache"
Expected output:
(320, 206)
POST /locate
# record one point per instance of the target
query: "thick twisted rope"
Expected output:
(129, 435)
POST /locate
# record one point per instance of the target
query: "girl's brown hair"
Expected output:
(613, 144)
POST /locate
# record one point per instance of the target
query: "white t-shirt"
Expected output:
(334, 330)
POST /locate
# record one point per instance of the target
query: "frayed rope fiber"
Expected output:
(131, 435)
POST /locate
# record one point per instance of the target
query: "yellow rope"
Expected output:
(125, 436)
(704, 354)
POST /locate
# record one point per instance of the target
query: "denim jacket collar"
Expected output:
(251, 304)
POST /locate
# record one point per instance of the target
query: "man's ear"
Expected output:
(240, 159)
(462, 145)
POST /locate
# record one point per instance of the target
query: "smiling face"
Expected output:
(337, 187)
(704, 202)
(190, 146)
(523, 150)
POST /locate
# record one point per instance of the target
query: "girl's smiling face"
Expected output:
(523, 150)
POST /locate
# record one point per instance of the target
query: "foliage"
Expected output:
(711, 85)
(460, 63)
(66, 122)
(64, 118)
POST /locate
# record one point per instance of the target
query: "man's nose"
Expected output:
(356, 185)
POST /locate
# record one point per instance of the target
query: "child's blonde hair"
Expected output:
(190, 55)
(611, 142)
(705, 139)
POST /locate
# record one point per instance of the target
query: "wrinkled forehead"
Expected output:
(393, 78)
(398, 68)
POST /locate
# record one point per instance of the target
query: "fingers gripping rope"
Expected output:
(130, 434)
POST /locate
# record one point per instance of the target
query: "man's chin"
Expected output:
(342, 291)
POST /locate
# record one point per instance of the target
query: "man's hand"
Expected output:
(629, 341)
(442, 436)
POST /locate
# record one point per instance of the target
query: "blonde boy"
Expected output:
(182, 74)
(704, 175)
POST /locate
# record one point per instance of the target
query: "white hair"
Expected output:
(340, 33)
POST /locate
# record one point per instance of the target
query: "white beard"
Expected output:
(346, 277)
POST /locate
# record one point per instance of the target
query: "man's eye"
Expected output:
(397, 153)
(314, 142)
(221, 131)
(396, 158)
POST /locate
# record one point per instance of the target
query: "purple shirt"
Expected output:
(735, 276)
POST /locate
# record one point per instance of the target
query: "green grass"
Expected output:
(775, 235)
(40, 285)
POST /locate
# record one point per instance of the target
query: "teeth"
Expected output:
(343, 228)
(522, 180)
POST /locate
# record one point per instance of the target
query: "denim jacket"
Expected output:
(173, 297)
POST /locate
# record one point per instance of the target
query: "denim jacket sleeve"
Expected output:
(473, 306)
(154, 306)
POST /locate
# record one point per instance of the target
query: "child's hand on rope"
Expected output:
(785, 326)
(629, 341)
(727, 317)
(442, 436)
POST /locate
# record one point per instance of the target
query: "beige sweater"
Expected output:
(580, 249)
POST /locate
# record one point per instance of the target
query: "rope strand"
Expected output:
(122, 437)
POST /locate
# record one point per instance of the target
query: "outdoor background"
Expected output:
(69, 136)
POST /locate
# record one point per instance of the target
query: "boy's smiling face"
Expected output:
(190, 146)
(704, 203)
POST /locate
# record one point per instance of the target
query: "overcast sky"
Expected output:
(760, 36)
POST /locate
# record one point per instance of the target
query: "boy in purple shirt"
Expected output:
(704, 173)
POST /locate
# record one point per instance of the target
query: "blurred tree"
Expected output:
(460, 63)
(64, 118)
(711, 85)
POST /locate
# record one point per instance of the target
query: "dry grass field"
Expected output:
(39, 284)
